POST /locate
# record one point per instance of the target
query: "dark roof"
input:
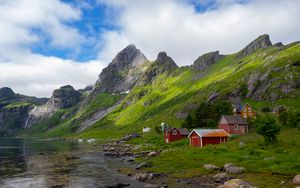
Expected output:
(239, 107)
(235, 119)
(183, 131)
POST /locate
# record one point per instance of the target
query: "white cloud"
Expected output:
(39, 75)
(170, 25)
(175, 27)
(34, 74)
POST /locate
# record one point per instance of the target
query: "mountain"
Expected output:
(133, 92)
(206, 60)
(162, 64)
(14, 109)
(262, 42)
(123, 72)
(62, 98)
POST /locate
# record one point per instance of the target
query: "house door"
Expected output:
(195, 141)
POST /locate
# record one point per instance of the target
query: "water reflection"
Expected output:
(43, 163)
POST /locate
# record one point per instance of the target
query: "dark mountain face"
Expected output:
(6, 94)
(65, 97)
(262, 42)
(205, 61)
(123, 72)
(162, 64)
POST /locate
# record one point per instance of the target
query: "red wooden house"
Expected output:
(203, 137)
(233, 124)
(173, 134)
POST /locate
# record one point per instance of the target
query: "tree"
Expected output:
(207, 114)
(188, 122)
(267, 127)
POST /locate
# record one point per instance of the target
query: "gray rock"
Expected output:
(142, 165)
(235, 170)
(242, 144)
(212, 96)
(153, 153)
(162, 64)
(261, 42)
(236, 183)
(222, 177)
(206, 60)
(211, 167)
(143, 177)
(226, 165)
(296, 180)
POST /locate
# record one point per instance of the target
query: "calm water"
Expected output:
(42, 163)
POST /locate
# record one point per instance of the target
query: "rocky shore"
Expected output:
(136, 160)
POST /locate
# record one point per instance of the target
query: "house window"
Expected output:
(249, 109)
(245, 115)
(245, 110)
(174, 132)
(236, 127)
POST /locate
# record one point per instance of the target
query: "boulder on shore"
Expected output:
(296, 180)
(236, 183)
(211, 167)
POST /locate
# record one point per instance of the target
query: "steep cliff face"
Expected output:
(162, 64)
(205, 61)
(64, 97)
(14, 109)
(123, 72)
(262, 42)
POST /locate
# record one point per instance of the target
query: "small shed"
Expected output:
(146, 129)
(203, 137)
(233, 124)
(173, 134)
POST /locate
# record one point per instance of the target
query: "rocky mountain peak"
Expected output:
(65, 97)
(162, 64)
(206, 60)
(122, 73)
(6, 93)
(261, 42)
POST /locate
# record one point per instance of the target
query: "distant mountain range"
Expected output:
(133, 92)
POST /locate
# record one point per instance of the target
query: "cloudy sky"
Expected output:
(49, 43)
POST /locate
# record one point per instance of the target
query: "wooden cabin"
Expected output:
(233, 124)
(173, 134)
(203, 137)
(244, 110)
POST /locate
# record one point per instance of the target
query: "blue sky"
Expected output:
(50, 43)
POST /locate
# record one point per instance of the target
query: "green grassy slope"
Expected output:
(169, 94)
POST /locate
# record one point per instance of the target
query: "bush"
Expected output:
(157, 129)
(266, 109)
(268, 128)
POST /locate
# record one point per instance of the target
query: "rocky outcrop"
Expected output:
(205, 61)
(13, 119)
(64, 97)
(162, 64)
(123, 72)
(262, 42)
(6, 94)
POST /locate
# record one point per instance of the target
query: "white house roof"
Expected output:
(210, 133)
